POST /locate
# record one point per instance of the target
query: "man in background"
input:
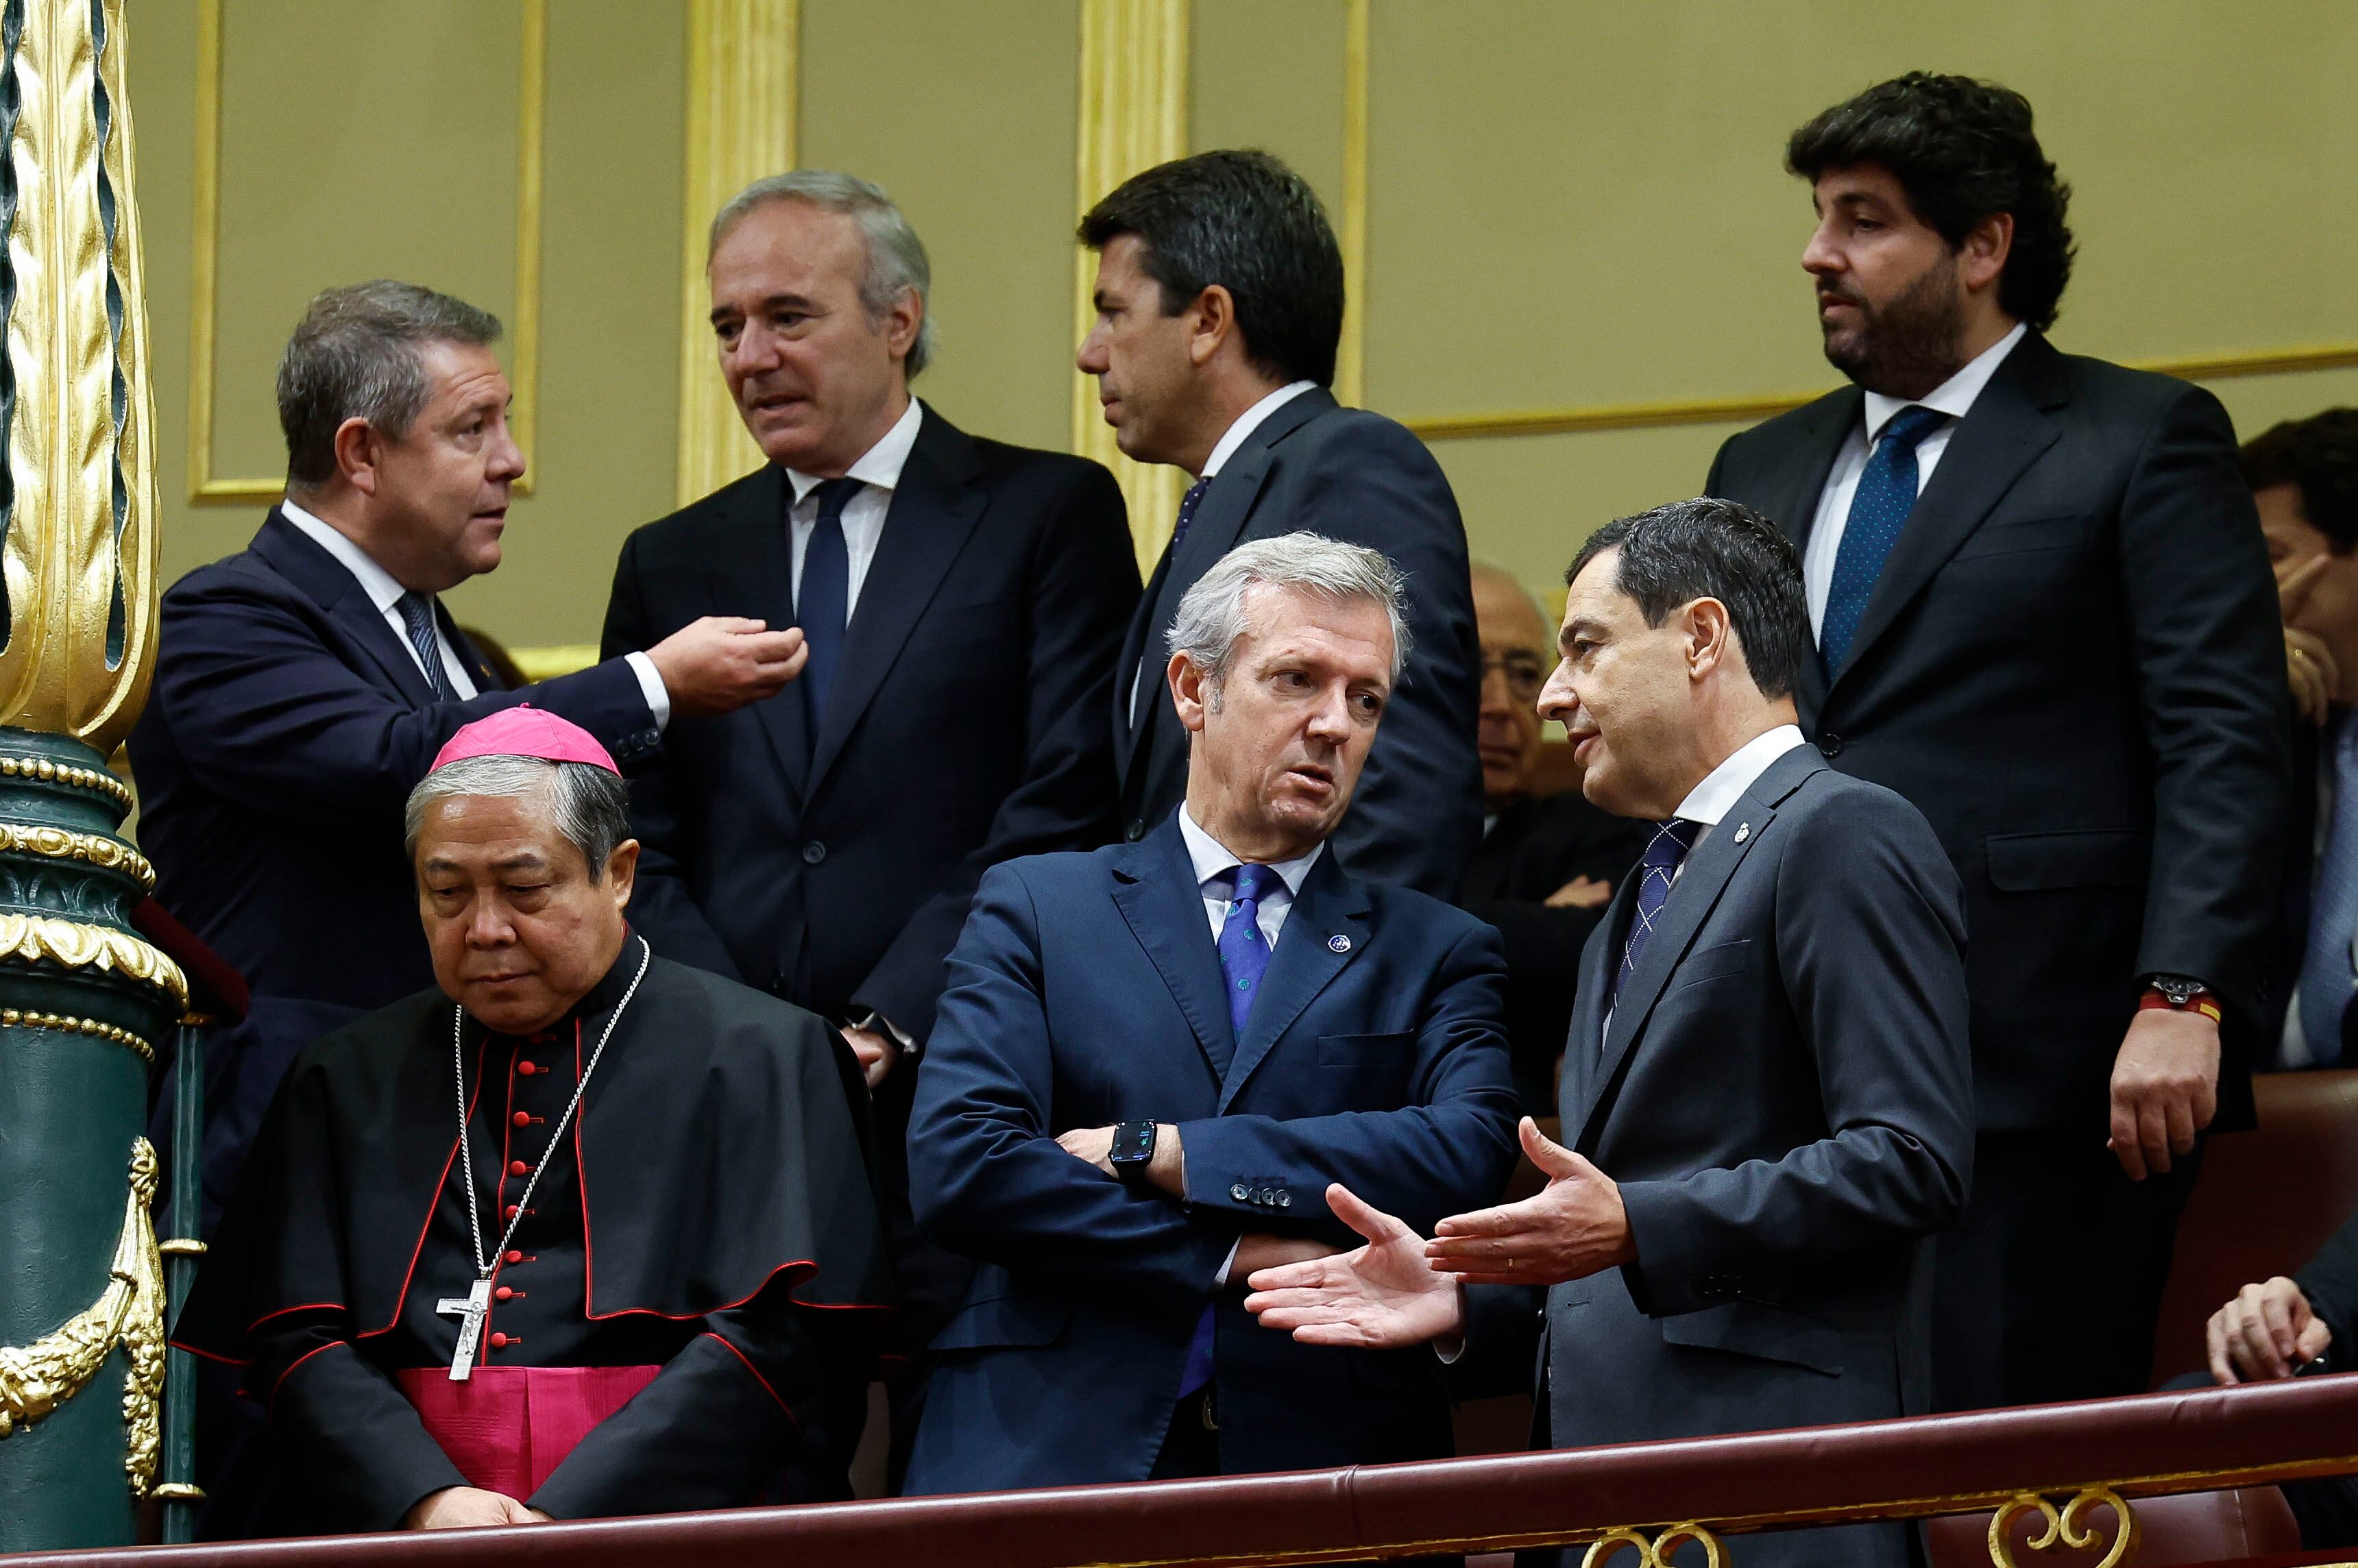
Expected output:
(2304, 479)
(1547, 864)
(1219, 306)
(963, 601)
(2043, 615)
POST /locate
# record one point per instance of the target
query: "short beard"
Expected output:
(1909, 346)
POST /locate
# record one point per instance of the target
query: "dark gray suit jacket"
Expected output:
(1785, 1097)
(1360, 478)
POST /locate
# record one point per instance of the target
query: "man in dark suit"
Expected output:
(2043, 615)
(1767, 1100)
(1547, 863)
(963, 601)
(1153, 1060)
(2304, 479)
(1219, 304)
(303, 686)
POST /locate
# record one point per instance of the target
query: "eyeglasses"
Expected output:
(1524, 674)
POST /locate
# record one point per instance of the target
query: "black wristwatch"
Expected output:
(1133, 1150)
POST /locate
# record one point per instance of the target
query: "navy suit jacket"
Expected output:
(1087, 991)
(1360, 478)
(1785, 1098)
(286, 728)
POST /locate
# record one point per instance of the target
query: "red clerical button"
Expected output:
(526, 1069)
(516, 1257)
(510, 1212)
(518, 1168)
(499, 1340)
(521, 1119)
(502, 1293)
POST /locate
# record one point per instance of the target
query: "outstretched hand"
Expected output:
(1381, 1296)
(1574, 1227)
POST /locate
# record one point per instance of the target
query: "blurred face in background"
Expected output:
(1515, 660)
(2321, 592)
(816, 377)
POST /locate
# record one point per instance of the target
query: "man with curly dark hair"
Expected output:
(2043, 614)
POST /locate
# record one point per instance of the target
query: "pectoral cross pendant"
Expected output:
(470, 1314)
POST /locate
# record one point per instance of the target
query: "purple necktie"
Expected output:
(1669, 846)
(1244, 959)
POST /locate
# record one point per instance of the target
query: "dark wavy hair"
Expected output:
(2320, 454)
(1962, 150)
(1246, 222)
(1711, 548)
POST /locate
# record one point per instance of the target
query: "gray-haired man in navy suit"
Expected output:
(1767, 1099)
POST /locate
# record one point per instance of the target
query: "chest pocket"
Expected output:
(2017, 534)
(1713, 963)
(1369, 1072)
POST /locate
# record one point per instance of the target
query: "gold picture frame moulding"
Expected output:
(204, 245)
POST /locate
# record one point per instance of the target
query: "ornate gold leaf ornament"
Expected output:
(79, 946)
(2069, 1527)
(1656, 1554)
(64, 844)
(38, 1377)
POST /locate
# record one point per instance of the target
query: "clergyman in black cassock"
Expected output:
(689, 1259)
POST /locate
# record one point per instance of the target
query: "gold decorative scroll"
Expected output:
(78, 566)
(36, 1378)
(1133, 112)
(2069, 1527)
(35, 937)
(741, 91)
(1656, 1554)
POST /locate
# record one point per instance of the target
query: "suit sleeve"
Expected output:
(268, 717)
(1870, 944)
(1418, 808)
(1449, 1149)
(2330, 1283)
(1083, 582)
(717, 1422)
(986, 1175)
(363, 1456)
(661, 906)
(2211, 672)
(1502, 1344)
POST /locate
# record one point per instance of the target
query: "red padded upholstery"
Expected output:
(2266, 1201)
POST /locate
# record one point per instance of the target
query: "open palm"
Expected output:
(1380, 1296)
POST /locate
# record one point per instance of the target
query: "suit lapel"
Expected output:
(1585, 1042)
(311, 568)
(1304, 962)
(933, 510)
(2005, 434)
(1155, 888)
(749, 570)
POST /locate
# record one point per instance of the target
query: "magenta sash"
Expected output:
(508, 1428)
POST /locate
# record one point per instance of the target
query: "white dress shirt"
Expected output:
(385, 593)
(1215, 876)
(1954, 397)
(1153, 656)
(879, 472)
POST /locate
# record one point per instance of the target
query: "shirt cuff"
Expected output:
(878, 1020)
(650, 686)
(1220, 1280)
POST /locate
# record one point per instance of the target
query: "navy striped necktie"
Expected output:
(417, 616)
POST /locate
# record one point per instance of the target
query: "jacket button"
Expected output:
(1238, 1192)
(1134, 832)
(1284, 1200)
(518, 1168)
(1831, 745)
(813, 852)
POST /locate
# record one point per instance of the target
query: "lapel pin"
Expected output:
(1743, 831)
(1339, 943)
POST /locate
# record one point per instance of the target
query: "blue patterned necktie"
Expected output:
(1244, 959)
(1878, 511)
(2328, 977)
(1187, 504)
(417, 616)
(823, 604)
(1669, 846)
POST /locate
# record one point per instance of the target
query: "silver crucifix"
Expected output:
(470, 1314)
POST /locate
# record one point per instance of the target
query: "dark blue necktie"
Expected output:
(823, 606)
(1187, 504)
(1669, 846)
(1244, 959)
(1879, 510)
(417, 616)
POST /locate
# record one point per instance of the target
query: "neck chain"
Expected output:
(484, 1268)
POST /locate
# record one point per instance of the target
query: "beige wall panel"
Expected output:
(966, 114)
(1269, 74)
(1578, 203)
(161, 40)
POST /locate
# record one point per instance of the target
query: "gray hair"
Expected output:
(1212, 615)
(592, 806)
(355, 355)
(896, 257)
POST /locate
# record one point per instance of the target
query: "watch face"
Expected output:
(1133, 1140)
